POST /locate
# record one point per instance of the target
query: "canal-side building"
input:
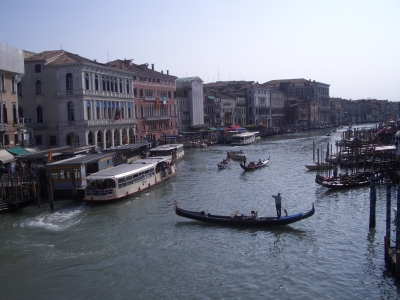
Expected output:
(154, 93)
(258, 105)
(192, 109)
(11, 71)
(317, 92)
(71, 100)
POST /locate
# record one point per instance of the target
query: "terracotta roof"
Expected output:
(58, 57)
(128, 65)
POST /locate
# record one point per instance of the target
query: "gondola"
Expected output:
(344, 182)
(224, 163)
(254, 166)
(241, 220)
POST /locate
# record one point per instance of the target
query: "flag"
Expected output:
(164, 104)
(49, 156)
(157, 102)
(127, 140)
(117, 114)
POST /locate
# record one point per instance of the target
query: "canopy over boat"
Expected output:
(241, 220)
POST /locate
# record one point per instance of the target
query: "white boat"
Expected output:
(128, 179)
(175, 150)
(236, 154)
(244, 138)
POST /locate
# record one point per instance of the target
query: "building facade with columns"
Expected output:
(69, 100)
(11, 70)
(154, 94)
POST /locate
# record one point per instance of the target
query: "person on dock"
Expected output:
(278, 204)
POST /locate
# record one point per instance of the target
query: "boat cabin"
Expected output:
(83, 165)
(125, 154)
(175, 150)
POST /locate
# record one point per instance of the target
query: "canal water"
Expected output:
(139, 249)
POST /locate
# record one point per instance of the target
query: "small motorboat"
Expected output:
(237, 219)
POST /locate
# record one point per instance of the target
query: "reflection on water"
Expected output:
(138, 248)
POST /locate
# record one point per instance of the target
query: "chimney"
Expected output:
(152, 67)
(167, 72)
(162, 72)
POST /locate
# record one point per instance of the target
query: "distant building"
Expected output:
(317, 92)
(191, 112)
(11, 71)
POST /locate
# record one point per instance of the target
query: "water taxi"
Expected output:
(128, 179)
(245, 138)
(175, 150)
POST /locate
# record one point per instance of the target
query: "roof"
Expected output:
(58, 57)
(17, 151)
(122, 170)
(6, 157)
(127, 147)
(188, 79)
(81, 159)
(128, 65)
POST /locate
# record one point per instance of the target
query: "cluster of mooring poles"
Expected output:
(392, 253)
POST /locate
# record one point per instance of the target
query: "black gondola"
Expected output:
(253, 166)
(241, 220)
(347, 181)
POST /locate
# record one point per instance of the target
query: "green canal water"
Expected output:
(138, 248)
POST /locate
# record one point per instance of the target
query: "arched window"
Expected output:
(108, 84)
(89, 110)
(13, 85)
(97, 110)
(19, 89)
(69, 82)
(14, 110)
(116, 85)
(20, 112)
(87, 81)
(71, 114)
(96, 82)
(134, 92)
(141, 93)
(38, 87)
(5, 117)
(39, 114)
(127, 86)
(103, 80)
(120, 85)
(90, 138)
(2, 83)
(112, 84)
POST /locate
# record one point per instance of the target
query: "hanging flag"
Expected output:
(164, 104)
(49, 156)
(157, 102)
(117, 113)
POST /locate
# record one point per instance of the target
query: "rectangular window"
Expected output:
(53, 140)
(38, 68)
(38, 140)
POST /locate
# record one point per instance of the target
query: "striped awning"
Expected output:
(6, 157)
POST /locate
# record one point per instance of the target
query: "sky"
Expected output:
(353, 45)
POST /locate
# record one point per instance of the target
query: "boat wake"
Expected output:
(55, 221)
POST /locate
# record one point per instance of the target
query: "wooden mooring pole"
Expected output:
(372, 202)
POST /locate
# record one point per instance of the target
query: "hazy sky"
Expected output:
(352, 45)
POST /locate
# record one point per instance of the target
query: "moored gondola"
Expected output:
(241, 220)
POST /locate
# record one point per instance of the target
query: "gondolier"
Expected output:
(278, 204)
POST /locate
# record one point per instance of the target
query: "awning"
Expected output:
(212, 128)
(32, 150)
(18, 151)
(6, 157)
(211, 97)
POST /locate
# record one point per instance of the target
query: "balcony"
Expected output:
(3, 127)
(157, 118)
(149, 98)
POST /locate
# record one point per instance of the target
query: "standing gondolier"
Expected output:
(278, 204)
(244, 160)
